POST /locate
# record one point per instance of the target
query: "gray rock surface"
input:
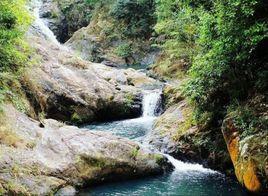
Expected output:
(64, 87)
(58, 155)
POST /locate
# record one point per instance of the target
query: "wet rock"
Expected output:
(175, 133)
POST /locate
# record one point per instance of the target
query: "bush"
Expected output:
(124, 50)
(137, 16)
(228, 63)
(13, 20)
(178, 25)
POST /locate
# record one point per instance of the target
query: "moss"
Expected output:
(188, 122)
(159, 159)
(75, 118)
(124, 50)
(8, 137)
(135, 152)
(129, 97)
(2, 191)
(16, 188)
(92, 161)
(170, 67)
(11, 91)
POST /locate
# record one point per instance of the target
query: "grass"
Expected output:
(135, 152)
(9, 138)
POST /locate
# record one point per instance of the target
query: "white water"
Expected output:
(151, 102)
(40, 24)
(186, 179)
(186, 167)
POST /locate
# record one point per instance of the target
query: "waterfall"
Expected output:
(151, 102)
(40, 24)
(188, 167)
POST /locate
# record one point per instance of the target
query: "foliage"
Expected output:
(137, 16)
(14, 20)
(225, 44)
(228, 62)
(124, 50)
(177, 25)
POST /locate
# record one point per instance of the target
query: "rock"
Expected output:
(176, 133)
(109, 63)
(67, 88)
(66, 191)
(101, 41)
(62, 156)
(249, 157)
(65, 17)
(167, 128)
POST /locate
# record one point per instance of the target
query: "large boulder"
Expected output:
(63, 86)
(246, 136)
(44, 160)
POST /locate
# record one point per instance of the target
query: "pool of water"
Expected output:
(176, 183)
(186, 179)
(132, 129)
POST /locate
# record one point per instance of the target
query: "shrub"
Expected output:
(14, 20)
(137, 15)
(124, 50)
(228, 65)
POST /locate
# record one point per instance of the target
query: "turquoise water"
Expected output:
(132, 129)
(186, 179)
(175, 183)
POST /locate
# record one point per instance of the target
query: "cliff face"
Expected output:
(105, 39)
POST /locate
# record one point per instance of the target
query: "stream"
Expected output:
(186, 179)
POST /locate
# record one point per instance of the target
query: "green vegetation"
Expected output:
(124, 50)
(14, 20)
(228, 64)
(135, 152)
(137, 15)
(224, 43)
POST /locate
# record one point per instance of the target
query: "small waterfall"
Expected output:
(40, 24)
(186, 167)
(151, 103)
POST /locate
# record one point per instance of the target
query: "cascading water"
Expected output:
(40, 24)
(151, 103)
(135, 128)
(186, 179)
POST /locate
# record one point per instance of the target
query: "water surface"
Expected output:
(187, 179)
